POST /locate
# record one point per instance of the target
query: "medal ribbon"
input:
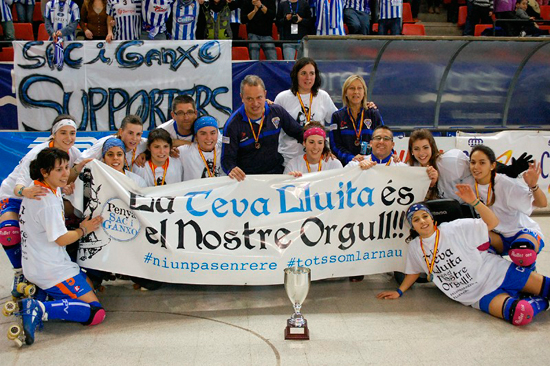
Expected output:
(46, 185)
(357, 134)
(210, 174)
(308, 114)
(488, 193)
(133, 159)
(164, 167)
(320, 164)
(431, 265)
(259, 130)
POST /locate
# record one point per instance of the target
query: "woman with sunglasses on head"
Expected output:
(352, 126)
(450, 254)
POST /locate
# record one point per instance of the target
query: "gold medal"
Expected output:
(257, 145)
(357, 142)
(429, 265)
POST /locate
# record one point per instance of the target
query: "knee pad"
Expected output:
(10, 234)
(518, 312)
(97, 314)
(522, 252)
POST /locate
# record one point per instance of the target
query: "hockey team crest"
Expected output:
(119, 222)
(368, 123)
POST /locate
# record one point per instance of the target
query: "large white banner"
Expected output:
(219, 231)
(511, 144)
(101, 83)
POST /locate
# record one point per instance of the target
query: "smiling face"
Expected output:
(422, 151)
(306, 79)
(131, 135)
(355, 93)
(64, 138)
(58, 176)
(423, 224)
(114, 157)
(382, 143)
(207, 137)
(314, 145)
(253, 97)
(481, 167)
(184, 115)
(160, 151)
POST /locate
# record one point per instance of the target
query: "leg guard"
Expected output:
(97, 314)
(538, 303)
(10, 238)
(522, 252)
(518, 312)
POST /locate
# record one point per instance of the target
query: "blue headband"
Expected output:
(110, 143)
(205, 121)
(415, 208)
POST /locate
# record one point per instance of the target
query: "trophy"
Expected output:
(297, 280)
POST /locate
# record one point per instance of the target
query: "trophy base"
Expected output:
(297, 333)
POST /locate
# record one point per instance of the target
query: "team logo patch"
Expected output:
(332, 127)
(185, 20)
(120, 223)
(343, 124)
(368, 123)
(276, 121)
(225, 139)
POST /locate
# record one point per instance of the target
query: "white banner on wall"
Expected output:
(101, 83)
(511, 144)
(218, 231)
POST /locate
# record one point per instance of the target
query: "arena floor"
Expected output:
(215, 325)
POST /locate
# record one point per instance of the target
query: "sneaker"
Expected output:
(32, 314)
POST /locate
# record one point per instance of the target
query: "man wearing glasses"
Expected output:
(382, 148)
(180, 127)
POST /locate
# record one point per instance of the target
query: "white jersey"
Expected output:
(330, 18)
(136, 178)
(388, 161)
(185, 14)
(172, 128)
(193, 164)
(298, 164)
(45, 263)
(95, 151)
(461, 271)
(322, 108)
(61, 14)
(21, 174)
(127, 15)
(454, 168)
(173, 174)
(513, 205)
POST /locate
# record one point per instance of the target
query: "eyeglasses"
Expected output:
(380, 138)
(184, 114)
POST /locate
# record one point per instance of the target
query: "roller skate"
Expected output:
(30, 314)
(21, 287)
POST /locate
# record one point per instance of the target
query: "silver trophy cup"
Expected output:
(297, 282)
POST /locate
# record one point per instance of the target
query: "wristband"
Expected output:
(261, 7)
(477, 203)
(84, 231)
(20, 191)
(399, 292)
(534, 189)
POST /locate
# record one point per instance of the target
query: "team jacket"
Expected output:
(239, 149)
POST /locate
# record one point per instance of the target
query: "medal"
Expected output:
(429, 265)
(360, 122)
(357, 142)
(308, 114)
(256, 137)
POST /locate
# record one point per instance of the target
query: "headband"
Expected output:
(315, 131)
(62, 123)
(415, 208)
(110, 143)
(205, 121)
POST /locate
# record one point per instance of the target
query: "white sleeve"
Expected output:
(292, 166)
(331, 108)
(413, 265)
(93, 152)
(50, 217)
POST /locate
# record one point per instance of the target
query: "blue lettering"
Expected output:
(189, 206)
